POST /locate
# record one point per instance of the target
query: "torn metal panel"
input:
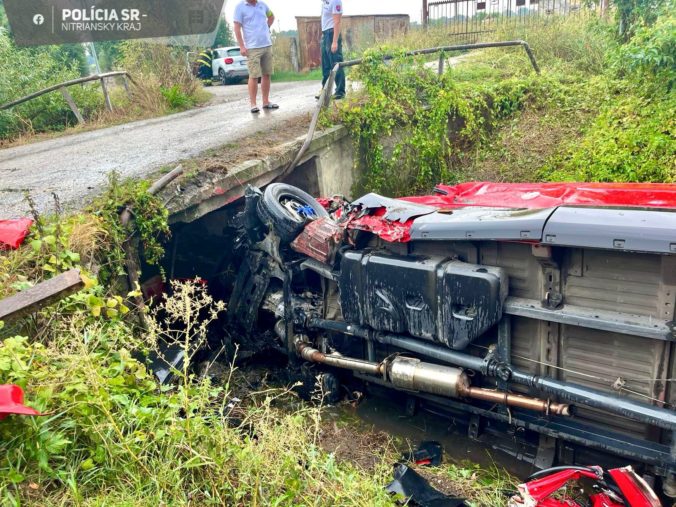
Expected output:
(396, 210)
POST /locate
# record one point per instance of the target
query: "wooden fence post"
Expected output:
(295, 63)
(73, 106)
(109, 104)
(126, 86)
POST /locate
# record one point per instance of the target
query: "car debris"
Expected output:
(585, 486)
(12, 402)
(410, 485)
(428, 453)
(14, 232)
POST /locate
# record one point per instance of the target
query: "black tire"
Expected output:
(221, 75)
(284, 223)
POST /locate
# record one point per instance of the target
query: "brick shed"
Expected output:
(359, 32)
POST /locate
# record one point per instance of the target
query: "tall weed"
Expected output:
(161, 74)
(112, 436)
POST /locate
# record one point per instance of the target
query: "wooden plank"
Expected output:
(40, 296)
(73, 106)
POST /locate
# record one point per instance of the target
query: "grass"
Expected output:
(290, 76)
(589, 116)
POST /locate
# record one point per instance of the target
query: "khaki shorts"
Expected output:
(260, 62)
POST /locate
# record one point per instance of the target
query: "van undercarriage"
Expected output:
(549, 319)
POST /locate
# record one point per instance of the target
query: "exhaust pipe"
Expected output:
(408, 374)
(580, 395)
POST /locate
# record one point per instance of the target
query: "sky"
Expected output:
(287, 10)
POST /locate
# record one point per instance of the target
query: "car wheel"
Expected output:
(222, 77)
(286, 210)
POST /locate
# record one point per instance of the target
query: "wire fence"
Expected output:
(470, 19)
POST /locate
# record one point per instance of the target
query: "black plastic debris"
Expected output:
(417, 491)
(428, 453)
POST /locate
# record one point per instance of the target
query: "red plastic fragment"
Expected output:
(319, 240)
(634, 489)
(14, 232)
(540, 492)
(11, 402)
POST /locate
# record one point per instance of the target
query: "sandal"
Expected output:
(255, 110)
(271, 106)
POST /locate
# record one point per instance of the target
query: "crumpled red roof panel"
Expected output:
(550, 195)
(13, 232)
(394, 232)
(522, 196)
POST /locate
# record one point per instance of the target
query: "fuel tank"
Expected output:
(434, 298)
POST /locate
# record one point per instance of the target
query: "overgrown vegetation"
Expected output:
(164, 82)
(602, 109)
(112, 436)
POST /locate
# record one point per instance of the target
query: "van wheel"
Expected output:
(286, 209)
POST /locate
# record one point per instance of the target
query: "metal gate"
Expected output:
(472, 18)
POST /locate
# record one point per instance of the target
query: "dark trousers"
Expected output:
(329, 60)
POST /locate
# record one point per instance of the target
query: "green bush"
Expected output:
(631, 140)
(579, 43)
(176, 99)
(651, 53)
(23, 71)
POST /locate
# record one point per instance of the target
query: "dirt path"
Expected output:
(76, 167)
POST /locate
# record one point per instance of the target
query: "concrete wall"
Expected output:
(326, 169)
(359, 32)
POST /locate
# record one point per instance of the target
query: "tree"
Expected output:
(108, 52)
(73, 55)
(224, 36)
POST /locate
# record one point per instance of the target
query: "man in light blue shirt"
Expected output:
(253, 20)
(332, 44)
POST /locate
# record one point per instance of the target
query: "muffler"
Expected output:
(409, 374)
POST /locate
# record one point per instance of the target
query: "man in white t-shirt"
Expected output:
(253, 20)
(332, 43)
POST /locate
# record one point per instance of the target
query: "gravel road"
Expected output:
(76, 166)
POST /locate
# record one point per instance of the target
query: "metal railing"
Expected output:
(469, 19)
(69, 98)
(325, 96)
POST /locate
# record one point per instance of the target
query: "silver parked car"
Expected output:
(229, 66)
